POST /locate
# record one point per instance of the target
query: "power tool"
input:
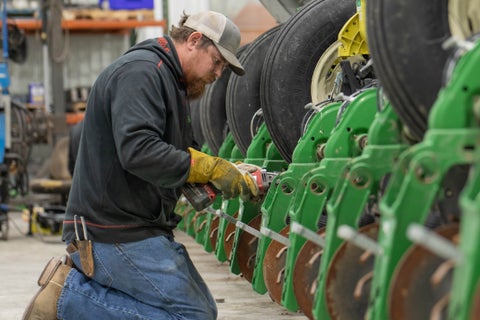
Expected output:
(201, 196)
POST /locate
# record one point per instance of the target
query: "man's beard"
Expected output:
(195, 89)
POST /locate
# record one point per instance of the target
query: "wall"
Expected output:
(88, 54)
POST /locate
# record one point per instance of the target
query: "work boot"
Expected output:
(43, 306)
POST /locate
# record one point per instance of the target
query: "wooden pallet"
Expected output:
(101, 14)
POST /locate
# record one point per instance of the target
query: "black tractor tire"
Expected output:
(405, 40)
(289, 66)
(243, 92)
(213, 116)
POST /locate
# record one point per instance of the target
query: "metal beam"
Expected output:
(281, 10)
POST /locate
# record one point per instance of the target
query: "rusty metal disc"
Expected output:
(212, 235)
(200, 222)
(274, 267)
(475, 310)
(229, 237)
(348, 278)
(193, 222)
(247, 249)
(422, 281)
(305, 273)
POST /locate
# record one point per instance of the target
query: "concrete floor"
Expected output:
(23, 257)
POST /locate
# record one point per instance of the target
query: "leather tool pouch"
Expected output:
(85, 249)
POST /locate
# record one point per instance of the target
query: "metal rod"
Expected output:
(84, 227)
(46, 79)
(360, 240)
(308, 234)
(275, 236)
(77, 235)
(433, 242)
(222, 214)
(239, 224)
(245, 227)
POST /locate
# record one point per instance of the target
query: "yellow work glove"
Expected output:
(224, 175)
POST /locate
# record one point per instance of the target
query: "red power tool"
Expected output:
(201, 196)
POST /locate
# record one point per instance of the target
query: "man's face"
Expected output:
(205, 66)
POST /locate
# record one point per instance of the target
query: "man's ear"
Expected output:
(194, 39)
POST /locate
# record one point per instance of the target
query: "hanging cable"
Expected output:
(255, 122)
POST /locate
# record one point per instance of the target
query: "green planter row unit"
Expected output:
(363, 222)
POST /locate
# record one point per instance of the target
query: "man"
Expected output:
(74, 139)
(134, 156)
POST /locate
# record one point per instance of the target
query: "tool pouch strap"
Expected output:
(85, 249)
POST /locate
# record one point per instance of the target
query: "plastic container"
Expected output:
(129, 4)
(36, 93)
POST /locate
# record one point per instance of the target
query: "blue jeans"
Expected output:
(148, 279)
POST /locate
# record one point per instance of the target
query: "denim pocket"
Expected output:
(102, 274)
